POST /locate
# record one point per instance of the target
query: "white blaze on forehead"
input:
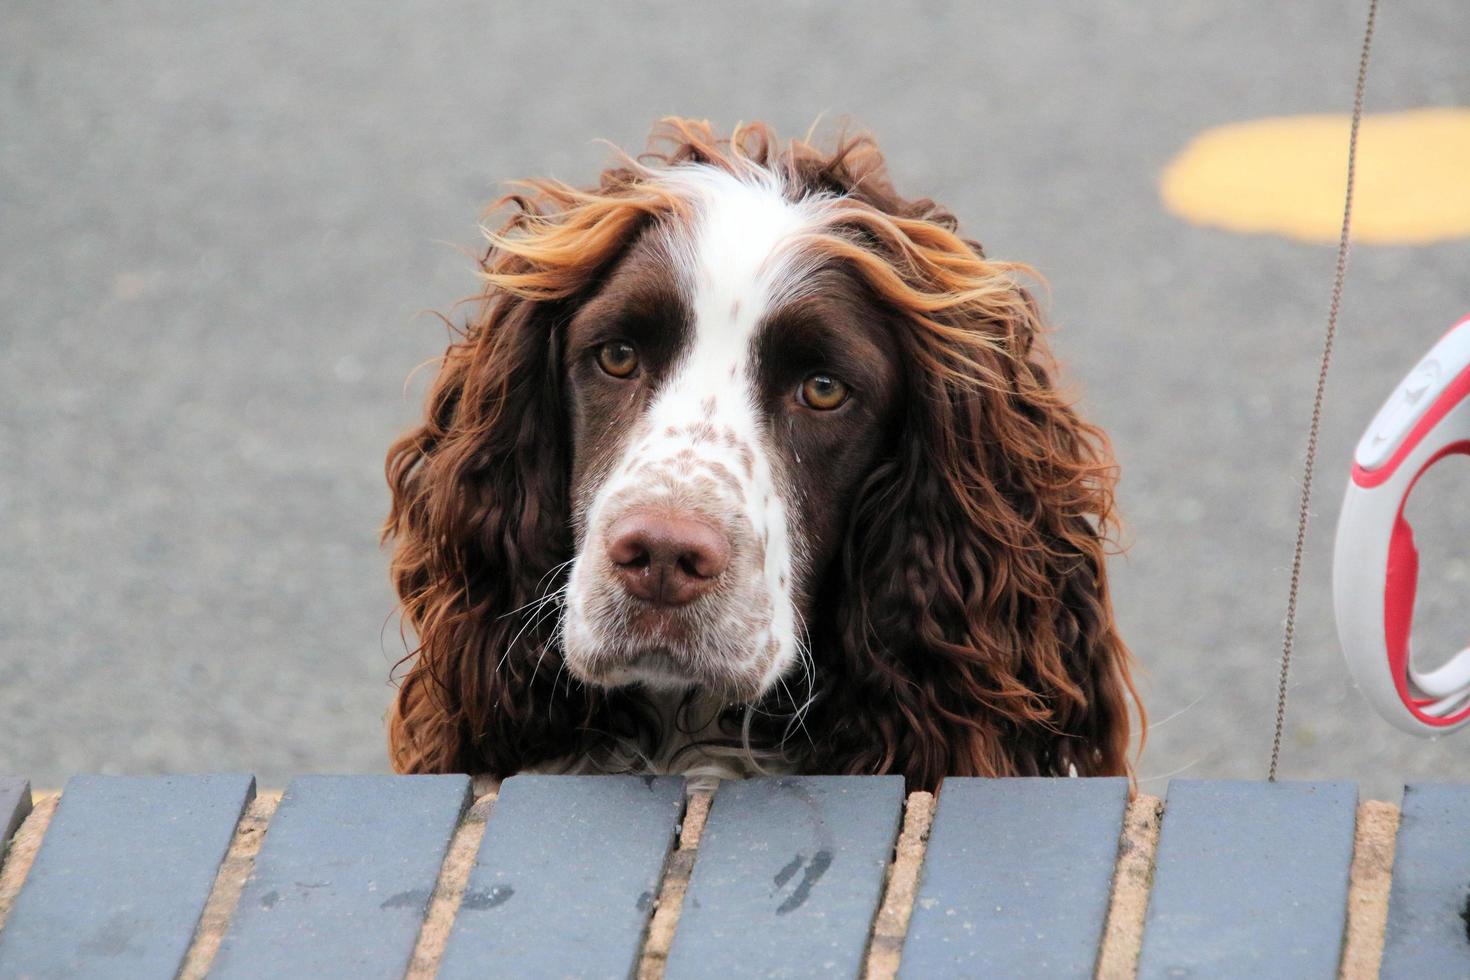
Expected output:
(737, 260)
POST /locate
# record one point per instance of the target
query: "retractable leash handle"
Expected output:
(1375, 567)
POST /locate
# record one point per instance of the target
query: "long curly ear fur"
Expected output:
(479, 522)
(971, 600)
(480, 513)
(968, 626)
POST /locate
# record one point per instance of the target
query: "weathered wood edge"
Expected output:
(1373, 858)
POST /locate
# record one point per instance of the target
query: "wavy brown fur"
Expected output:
(966, 627)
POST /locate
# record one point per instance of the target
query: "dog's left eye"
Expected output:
(822, 392)
(618, 358)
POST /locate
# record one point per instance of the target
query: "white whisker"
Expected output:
(1164, 721)
(1168, 775)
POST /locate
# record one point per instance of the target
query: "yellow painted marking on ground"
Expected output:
(1286, 176)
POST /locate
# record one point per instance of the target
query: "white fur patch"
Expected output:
(702, 444)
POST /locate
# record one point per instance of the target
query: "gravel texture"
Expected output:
(222, 227)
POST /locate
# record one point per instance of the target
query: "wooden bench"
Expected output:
(393, 876)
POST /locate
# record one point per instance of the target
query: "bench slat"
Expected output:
(122, 876)
(1428, 932)
(788, 877)
(1251, 880)
(343, 879)
(1017, 878)
(15, 805)
(566, 876)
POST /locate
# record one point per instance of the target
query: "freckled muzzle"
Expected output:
(671, 588)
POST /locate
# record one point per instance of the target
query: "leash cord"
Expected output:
(1289, 635)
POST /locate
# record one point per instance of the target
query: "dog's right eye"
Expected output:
(618, 358)
(822, 392)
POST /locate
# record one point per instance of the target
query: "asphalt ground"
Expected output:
(222, 227)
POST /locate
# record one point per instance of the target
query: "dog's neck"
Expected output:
(699, 740)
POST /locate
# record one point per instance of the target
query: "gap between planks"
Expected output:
(1133, 878)
(229, 882)
(891, 925)
(23, 846)
(1369, 878)
(659, 938)
(454, 878)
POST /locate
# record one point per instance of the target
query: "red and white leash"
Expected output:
(1375, 567)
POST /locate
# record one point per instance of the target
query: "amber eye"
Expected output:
(618, 358)
(823, 392)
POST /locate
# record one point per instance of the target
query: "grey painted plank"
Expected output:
(788, 877)
(1250, 879)
(122, 876)
(15, 805)
(343, 879)
(566, 876)
(1017, 878)
(1428, 932)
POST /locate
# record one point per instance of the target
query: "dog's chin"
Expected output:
(653, 667)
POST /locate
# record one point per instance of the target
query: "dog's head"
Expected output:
(743, 422)
(729, 385)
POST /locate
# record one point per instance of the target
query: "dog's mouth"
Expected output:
(656, 668)
(659, 669)
(657, 628)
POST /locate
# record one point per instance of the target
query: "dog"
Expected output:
(745, 464)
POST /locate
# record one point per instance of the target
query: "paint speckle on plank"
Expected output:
(115, 938)
(784, 875)
(809, 877)
(413, 898)
(483, 899)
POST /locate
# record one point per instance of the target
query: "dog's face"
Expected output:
(729, 391)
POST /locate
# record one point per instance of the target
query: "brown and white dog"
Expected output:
(746, 464)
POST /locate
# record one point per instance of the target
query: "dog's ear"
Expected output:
(974, 633)
(479, 525)
(480, 520)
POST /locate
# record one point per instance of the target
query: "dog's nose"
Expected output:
(666, 558)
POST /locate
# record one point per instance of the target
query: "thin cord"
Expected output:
(1311, 461)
